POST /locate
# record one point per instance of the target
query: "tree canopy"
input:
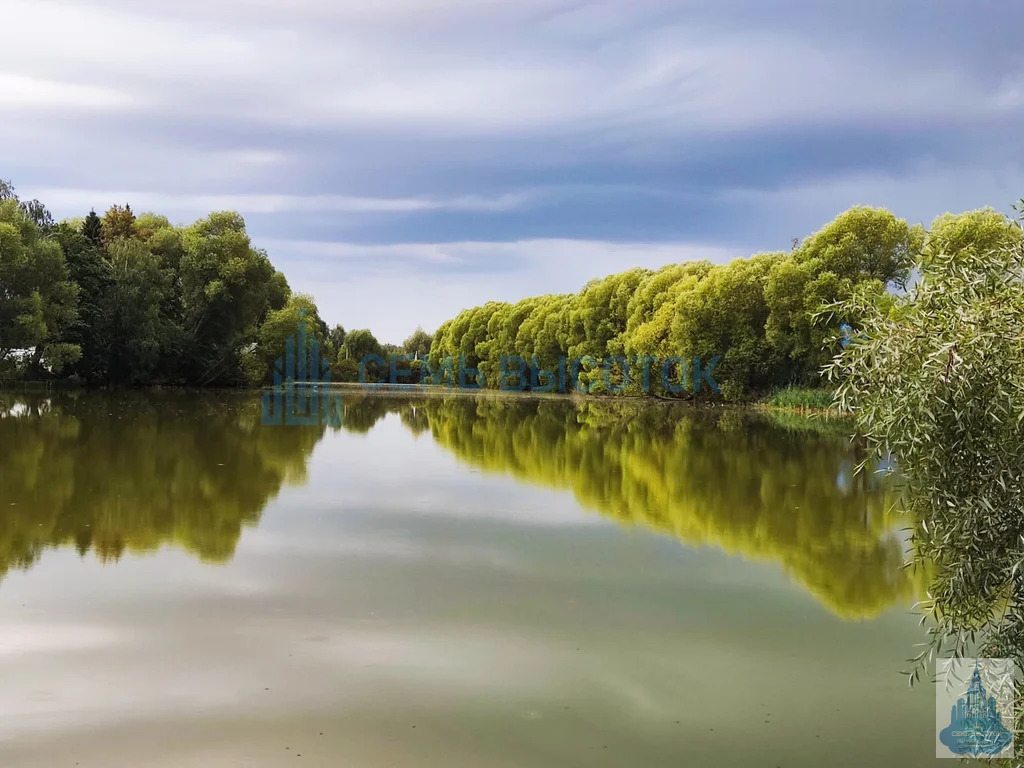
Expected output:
(125, 299)
(38, 299)
(935, 378)
(758, 315)
(132, 299)
(418, 343)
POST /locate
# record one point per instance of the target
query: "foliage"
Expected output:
(282, 325)
(134, 322)
(345, 370)
(360, 343)
(724, 315)
(132, 300)
(863, 249)
(418, 343)
(92, 229)
(937, 381)
(227, 289)
(759, 316)
(90, 331)
(336, 336)
(37, 296)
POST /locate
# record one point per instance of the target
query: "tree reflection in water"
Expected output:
(132, 472)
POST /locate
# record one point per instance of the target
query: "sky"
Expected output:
(401, 160)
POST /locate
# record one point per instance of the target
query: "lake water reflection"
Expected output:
(446, 581)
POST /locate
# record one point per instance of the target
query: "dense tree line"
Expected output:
(758, 314)
(132, 300)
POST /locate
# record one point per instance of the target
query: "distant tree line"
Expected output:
(126, 300)
(773, 319)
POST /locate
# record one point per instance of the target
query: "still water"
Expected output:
(446, 582)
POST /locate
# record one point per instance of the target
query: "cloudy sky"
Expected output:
(404, 159)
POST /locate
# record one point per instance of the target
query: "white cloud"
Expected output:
(554, 255)
(80, 199)
(252, 157)
(392, 288)
(463, 72)
(183, 106)
(22, 91)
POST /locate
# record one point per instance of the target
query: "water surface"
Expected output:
(450, 582)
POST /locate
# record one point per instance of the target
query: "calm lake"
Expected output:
(447, 582)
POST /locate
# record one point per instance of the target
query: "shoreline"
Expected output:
(387, 389)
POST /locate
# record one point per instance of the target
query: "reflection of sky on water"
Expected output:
(397, 585)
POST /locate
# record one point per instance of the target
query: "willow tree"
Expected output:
(862, 249)
(724, 316)
(936, 379)
(281, 327)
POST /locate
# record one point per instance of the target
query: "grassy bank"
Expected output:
(799, 399)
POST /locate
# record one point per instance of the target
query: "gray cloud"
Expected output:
(415, 145)
(276, 203)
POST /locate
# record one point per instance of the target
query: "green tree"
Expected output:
(724, 316)
(359, 343)
(227, 288)
(759, 316)
(345, 370)
(92, 228)
(136, 328)
(336, 336)
(600, 314)
(652, 312)
(862, 249)
(37, 213)
(37, 297)
(936, 379)
(90, 332)
(280, 326)
(418, 343)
